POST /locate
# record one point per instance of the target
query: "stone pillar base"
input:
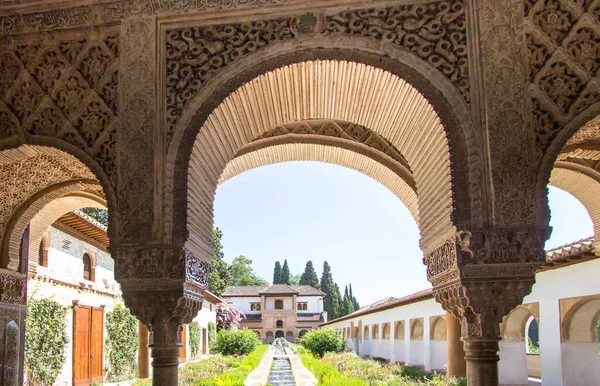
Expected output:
(165, 363)
(482, 361)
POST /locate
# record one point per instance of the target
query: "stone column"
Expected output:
(479, 277)
(457, 367)
(143, 351)
(163, 286)
(392, 343)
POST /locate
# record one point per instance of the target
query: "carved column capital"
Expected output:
(480, 275)
(163, 285)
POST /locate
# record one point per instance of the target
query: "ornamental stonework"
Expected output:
(434, 32)
(65, 89)
(338, 129)
(563, 43)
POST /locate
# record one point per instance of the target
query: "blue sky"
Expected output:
(303, 211)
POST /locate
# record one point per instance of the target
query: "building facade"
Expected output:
(72, 266)
(564, 307)
(466, 110)
(279, 310)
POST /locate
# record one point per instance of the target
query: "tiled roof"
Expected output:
(279, 289)
(310, 317)
(577, 251)
(275, 289)
(386, 304)
(243, 291)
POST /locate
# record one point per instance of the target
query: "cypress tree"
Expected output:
(354, 301)
(337, 304)
(330, 302)
(218, 278)
(309, 277)
(277, 273)
(284, 277)
(347, 304)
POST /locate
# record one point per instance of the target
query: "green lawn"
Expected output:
(217, 370)
(347, 369)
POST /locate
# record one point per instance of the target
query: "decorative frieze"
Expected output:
(435, 32)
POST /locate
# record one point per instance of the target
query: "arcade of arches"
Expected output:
(465, 109)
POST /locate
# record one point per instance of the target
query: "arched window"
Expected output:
(279, 304)
(87, 267)
(43, 254)
(279, 334)
(279, 324)
(302, 333)
(532, 336)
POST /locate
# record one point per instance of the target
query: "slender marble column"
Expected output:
(457, 366)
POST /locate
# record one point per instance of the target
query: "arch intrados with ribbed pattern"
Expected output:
(338, 90)
(51, 212)
(390, 176)
(70, 176)
(583, 183)
(462, 139)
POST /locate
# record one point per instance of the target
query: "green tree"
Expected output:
(241, 273)
(330, 302)
(295, 279)
(100, 215)
(354, 301)
(309, 277)
(338, 302)
(285, 273)
(284, 278)
(347, 303)
(218, 278)
(277, 273)
(45, 342)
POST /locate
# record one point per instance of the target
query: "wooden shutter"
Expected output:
(81, 346)
(183, 348)
(97, 344)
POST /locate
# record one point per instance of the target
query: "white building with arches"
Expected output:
(564, 305)
(278, 310)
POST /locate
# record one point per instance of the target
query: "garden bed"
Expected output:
(217, 370)
(348, 369)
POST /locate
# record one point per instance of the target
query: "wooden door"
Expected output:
(183, 348)
(97, 345)
(81, 346)
(88, 345)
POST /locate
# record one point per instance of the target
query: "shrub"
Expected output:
(236, 342)
(322, 341)
(121, 343)
(45, 341)
(212, 335)
(194, 338)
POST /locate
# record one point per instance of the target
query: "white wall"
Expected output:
(314, 304)
(243, 303)
(288, 302)
(401, 350)
(581, 364)
(512, 368)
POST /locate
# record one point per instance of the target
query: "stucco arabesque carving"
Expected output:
(12, 287)
(85, 14)
(498, 263)
(563, 46)
(435, 32)
(63, 89)
(162, 284)
(137, 94)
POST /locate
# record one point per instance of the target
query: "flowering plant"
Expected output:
(228, 317)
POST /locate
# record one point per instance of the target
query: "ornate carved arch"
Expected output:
(452, 110)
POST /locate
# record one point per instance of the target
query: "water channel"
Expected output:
(281, 369)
